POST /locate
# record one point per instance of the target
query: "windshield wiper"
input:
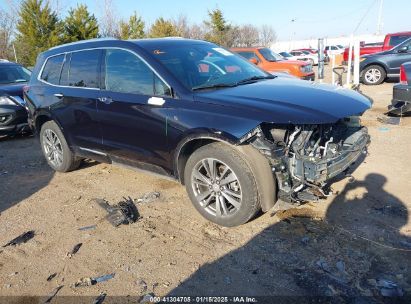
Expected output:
(215, 86)
(254, 79)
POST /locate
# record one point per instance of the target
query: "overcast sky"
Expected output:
(312, 18)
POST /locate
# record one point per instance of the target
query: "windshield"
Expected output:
(340, 46)
(13, 74)
(206, 65)
(306, 52)
(285, 54)
(269, 55)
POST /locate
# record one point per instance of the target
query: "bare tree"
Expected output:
(267, 35)
(109, 23)
(197, 31)
(247, 36)
(7, 27)
(182, 25)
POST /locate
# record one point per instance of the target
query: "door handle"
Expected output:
(106, 100)
(59, 95)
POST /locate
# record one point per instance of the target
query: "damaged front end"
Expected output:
(304, 158)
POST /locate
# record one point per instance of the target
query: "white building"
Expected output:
(281, 46)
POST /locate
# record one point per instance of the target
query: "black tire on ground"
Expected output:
(369, 75)
(69, 161)
(224, 156)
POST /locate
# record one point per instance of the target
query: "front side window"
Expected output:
(84, 69)
(126, 73)
(52, 69)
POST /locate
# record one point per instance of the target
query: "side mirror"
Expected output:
(404, 49)
(253, 61)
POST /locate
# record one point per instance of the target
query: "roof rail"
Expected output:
(82, 41)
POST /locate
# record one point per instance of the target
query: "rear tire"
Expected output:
(373, 75)
(221, 185)
(56, 150)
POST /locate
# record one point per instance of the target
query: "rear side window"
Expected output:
(84, 69)
(52, 69)
(126, 73)
(395, 40)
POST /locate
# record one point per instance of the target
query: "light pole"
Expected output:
(291, 29)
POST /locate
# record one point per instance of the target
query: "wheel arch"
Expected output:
(190, 144)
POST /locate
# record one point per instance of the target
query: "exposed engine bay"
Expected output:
(304, 158)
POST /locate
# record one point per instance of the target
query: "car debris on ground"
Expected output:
(83, 282)
(23, 238)
(53, 294)
(91, 227)
(75, 249)
(124, 213)
(100, 299)
(148, 198)
(389, 120)
(51, 277)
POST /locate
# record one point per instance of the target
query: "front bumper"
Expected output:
(308, 77)
(401, 102)
(13, 120)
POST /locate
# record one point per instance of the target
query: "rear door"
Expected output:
(132, 110)
(76, 98)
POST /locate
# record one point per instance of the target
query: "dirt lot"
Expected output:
(351, 244)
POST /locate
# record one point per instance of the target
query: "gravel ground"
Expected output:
(352, 244)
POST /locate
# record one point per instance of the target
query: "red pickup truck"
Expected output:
(390, 41)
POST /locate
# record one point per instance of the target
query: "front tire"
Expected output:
(373, 75)
(56, 150)
(221, 185)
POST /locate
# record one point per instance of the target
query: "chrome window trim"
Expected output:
(97, 48)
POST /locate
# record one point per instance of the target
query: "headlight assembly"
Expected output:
(4, 100)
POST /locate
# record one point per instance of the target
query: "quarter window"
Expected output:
(51, 71)
(84, 69)
(126, 73)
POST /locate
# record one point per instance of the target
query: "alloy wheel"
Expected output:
(372, 75)
(52, 148)
(216, 187)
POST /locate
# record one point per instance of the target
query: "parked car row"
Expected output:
(270, 61)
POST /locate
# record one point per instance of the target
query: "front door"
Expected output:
(132, 110)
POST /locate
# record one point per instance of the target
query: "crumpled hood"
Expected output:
(12, 89)
(283, 100)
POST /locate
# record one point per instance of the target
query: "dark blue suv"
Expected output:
(238, 138)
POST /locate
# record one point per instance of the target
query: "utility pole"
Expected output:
(379, 23)
(291, 34)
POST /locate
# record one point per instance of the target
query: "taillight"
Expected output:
(403, 75)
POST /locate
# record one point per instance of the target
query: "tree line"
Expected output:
(33, 26)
